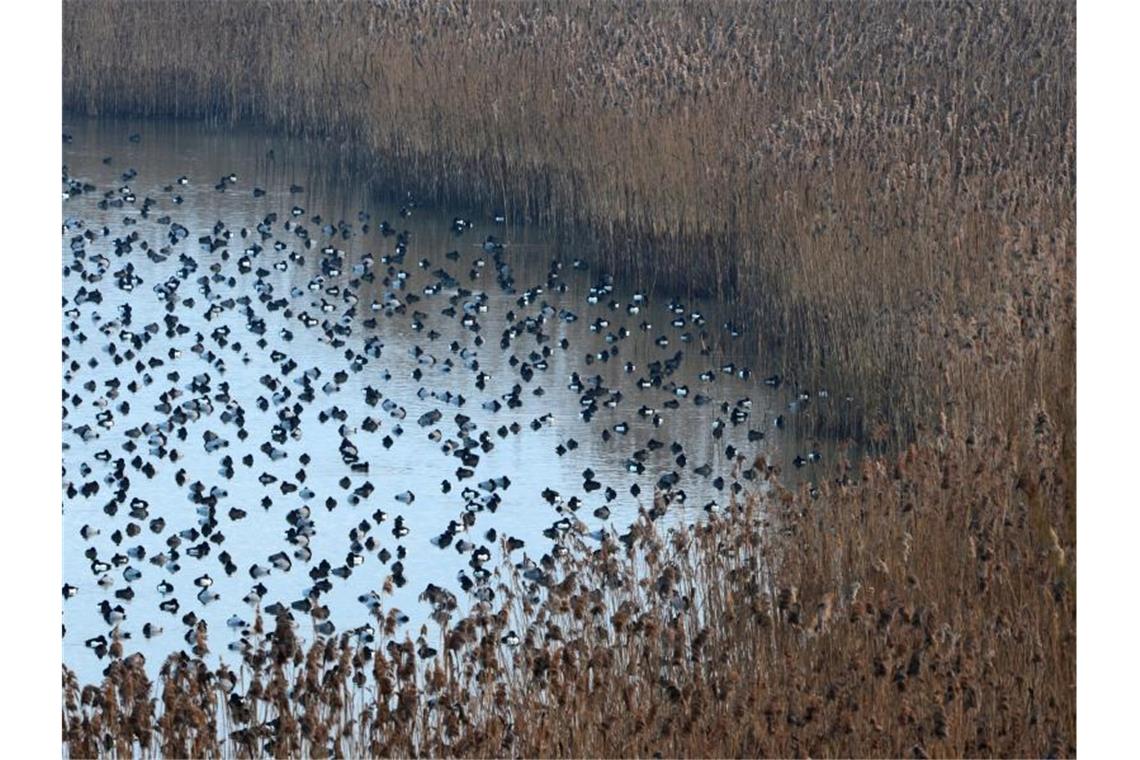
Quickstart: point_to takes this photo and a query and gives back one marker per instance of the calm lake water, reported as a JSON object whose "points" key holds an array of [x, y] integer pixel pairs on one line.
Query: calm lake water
{"points": [[261, 399]]}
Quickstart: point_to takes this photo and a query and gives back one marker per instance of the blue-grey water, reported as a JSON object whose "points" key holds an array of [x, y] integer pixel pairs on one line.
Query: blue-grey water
{"points": [[268, 394]]}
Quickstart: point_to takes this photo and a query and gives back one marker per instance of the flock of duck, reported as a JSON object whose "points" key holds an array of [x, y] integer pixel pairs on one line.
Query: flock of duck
{"points": [[290, 412]]}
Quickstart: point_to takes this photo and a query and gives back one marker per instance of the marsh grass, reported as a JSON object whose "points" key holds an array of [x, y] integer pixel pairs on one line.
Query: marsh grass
{"points": [[868, 181], [886, 190], [919, 606]]}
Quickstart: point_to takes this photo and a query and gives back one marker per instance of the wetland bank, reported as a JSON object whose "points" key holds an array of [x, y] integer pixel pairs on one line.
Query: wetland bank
{"points": [[870, 230]]}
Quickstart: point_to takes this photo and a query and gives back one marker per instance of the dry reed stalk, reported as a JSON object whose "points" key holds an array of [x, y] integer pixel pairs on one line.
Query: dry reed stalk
{"points": [[868, 180], [915, 612], [887, 188]]}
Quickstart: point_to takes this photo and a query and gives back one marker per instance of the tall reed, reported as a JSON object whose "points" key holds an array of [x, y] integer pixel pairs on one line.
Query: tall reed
{"points": [[886, 189], [867, 180], [917, 606]]}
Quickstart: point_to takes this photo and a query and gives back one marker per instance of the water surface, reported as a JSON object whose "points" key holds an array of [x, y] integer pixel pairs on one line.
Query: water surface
{"points": [[330, 388]]}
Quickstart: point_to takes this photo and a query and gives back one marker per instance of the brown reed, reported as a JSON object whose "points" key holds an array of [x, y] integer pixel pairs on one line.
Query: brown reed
{"points": [[869, 181], [887, 190], [904, 611]]}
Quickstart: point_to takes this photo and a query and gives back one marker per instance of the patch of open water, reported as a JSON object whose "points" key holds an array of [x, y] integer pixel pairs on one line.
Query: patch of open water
{"points": [[240, 411]]}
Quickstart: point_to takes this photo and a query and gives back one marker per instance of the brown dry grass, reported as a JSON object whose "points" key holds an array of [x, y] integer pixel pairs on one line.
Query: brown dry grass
{"points": [[889, 189], [868, 180], [923, 606]]}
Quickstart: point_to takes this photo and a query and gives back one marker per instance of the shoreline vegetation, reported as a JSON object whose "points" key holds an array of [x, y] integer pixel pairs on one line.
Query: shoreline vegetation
{"points": [[887, 191]]}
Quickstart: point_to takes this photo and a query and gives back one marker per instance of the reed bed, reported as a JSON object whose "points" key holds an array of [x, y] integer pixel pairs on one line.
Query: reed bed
{"points": [[868, 181], [886, 189], [913, 607]]}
